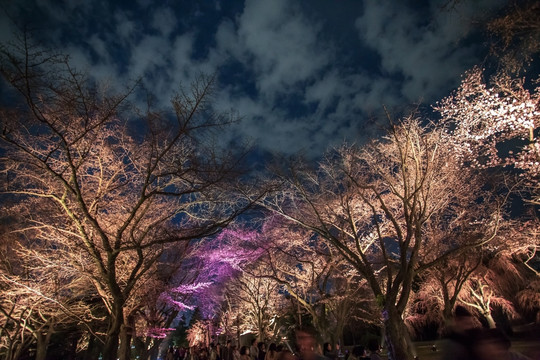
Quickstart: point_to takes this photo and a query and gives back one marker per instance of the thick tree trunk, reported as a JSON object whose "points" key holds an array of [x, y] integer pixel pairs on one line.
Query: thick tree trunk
{"points": [[124, 352], [42, 344], [110, 349], [41, 348], [447, 313], [396, 336]]}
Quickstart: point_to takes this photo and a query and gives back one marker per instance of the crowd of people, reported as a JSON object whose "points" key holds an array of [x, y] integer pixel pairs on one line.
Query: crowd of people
{"points": [[465, 341], [307, 348]]}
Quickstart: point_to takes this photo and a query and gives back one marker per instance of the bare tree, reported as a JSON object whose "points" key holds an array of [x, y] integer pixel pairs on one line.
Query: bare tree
{"points": [[482, 296], [116, 191], [314, 275], [257, 300], [40, 296], [439, 290], [377, 205], [516, 33]]}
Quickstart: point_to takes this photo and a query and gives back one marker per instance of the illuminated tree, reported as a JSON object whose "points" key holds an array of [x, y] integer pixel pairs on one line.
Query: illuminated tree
{"points": [[513, 268], [439, 290], [496, 125], [378, 205], [321, 284], [116, 187], [218, 261], [257, 299], [167, 293], [40, 296], [481, 296], [199, 333], [517, 34]]}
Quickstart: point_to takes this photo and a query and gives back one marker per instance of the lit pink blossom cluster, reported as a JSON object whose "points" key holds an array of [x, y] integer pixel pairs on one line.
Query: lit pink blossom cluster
{"points": [[191, 288], [158, 333], [178, 304], [232, 249]]}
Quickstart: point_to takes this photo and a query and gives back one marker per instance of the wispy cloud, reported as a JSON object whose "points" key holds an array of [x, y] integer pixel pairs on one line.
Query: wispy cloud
{"points": [[284, 66]]}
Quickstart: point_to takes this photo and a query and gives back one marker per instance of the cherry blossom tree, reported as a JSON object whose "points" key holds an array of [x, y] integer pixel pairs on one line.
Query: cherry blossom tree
{"points": [[85, 179], [321, 283], [377, 205], [495, 125], [39, 296], [257, 299]]}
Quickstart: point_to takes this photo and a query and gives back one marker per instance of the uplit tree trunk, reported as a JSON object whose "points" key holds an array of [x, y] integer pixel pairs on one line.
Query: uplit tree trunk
{"points": [[110, 349], [397, 336], [490, 320], [480, 295], [126, 336], [43, 340]]}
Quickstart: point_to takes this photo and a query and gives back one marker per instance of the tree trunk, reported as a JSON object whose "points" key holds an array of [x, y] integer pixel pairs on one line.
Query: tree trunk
{"points": [[124, 352], [490, 320], [42, 344], [142, 348], [92, 350], [110, 349], [447, 315], [396, 336], [43, 341], [154, 350]]}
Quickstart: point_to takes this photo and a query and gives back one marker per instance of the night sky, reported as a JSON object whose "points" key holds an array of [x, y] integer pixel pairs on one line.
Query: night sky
{"points": [[303, 75]]}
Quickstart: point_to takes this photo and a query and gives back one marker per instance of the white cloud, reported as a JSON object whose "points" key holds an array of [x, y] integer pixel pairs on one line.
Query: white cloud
{"points": [[426, 52], [148, 55], [286, 54], [280, 45]]}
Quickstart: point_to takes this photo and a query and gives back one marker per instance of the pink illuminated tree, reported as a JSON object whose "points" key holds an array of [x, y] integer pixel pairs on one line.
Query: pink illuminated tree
{"points": [[166, 293]]}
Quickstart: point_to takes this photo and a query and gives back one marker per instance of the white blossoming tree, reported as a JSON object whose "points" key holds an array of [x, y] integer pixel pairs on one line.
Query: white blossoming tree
{"points": [[496, 125]]}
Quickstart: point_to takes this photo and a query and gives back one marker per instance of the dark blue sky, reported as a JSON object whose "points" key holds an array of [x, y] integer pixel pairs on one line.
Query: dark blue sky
{"points": [[303, 75]]}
